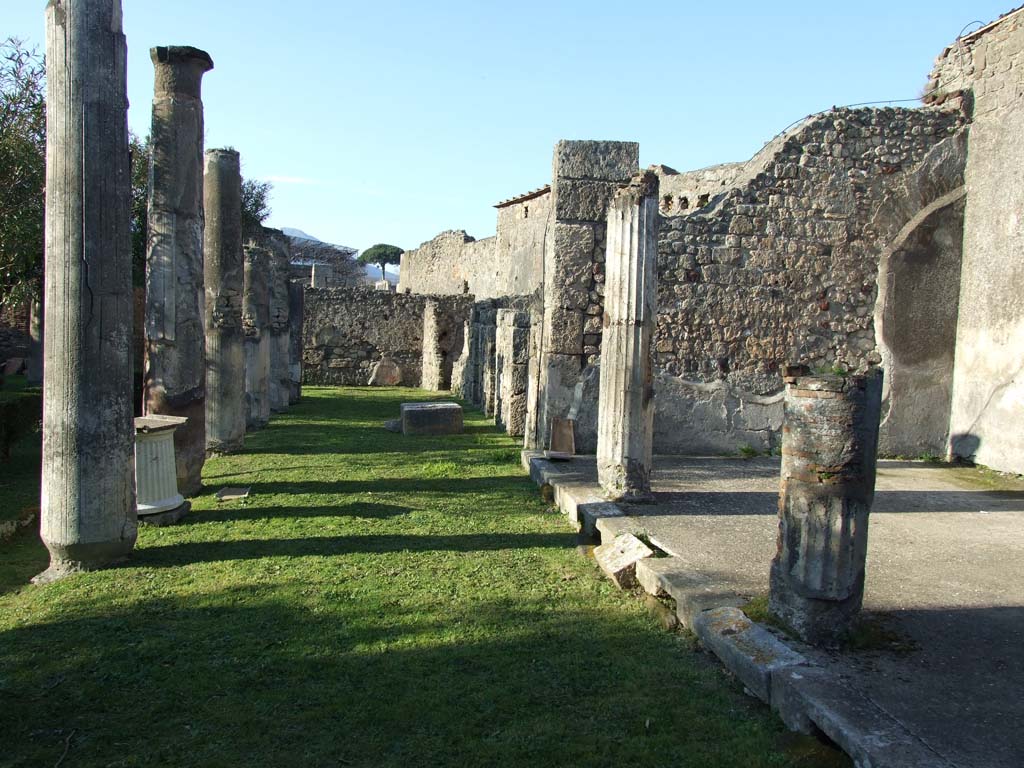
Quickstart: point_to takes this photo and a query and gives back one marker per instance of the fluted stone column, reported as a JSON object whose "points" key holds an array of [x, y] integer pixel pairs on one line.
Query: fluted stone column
{"points": [[175, 376], [279, 387], [224, 282], [829, 453], [88, 477], [296, 313], [625, 426], [255, 322]]}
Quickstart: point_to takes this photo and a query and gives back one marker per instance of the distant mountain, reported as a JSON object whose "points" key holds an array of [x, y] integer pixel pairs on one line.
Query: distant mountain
{"points": [[298, 233]]}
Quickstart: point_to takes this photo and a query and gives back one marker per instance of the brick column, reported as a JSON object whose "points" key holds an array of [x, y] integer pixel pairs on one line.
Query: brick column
{"points": [[829, 452]]}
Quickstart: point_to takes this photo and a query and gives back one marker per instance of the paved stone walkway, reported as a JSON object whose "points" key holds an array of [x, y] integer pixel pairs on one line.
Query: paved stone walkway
{"points": [[945, 588]]}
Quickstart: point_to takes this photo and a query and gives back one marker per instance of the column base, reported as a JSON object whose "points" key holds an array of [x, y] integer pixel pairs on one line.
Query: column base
{"points": [[168, 517]]}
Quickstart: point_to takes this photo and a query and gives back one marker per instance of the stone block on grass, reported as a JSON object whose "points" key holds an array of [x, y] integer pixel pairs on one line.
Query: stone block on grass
{"points": [[431, 419], [618, 559]]}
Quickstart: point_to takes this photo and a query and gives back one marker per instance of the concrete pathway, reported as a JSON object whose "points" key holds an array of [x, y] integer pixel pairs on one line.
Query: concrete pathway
{"points": [[944, 595]]}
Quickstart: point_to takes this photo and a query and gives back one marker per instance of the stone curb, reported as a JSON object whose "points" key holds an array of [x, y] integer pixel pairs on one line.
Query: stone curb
{"points": [[807, 697]]}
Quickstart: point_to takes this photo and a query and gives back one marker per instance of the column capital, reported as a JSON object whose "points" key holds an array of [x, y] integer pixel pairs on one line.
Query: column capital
{"points": [[179, 69]]}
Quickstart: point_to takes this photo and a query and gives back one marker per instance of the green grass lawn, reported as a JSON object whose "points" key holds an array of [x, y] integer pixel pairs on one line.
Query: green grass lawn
{"points": [[377, 601]]}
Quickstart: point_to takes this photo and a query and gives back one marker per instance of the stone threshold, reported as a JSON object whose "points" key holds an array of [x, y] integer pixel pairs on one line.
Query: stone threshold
{"points": [[807, 696]]}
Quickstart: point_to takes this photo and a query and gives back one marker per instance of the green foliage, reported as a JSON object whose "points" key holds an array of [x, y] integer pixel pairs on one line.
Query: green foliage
{"points": [[358, 610], [255, 206], [748, 451], [139, 212], [22, 171], [20, 413], [381, 254]]}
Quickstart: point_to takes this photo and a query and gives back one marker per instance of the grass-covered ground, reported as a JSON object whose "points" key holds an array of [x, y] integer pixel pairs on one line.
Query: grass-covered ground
{"points": [[377, 601]]}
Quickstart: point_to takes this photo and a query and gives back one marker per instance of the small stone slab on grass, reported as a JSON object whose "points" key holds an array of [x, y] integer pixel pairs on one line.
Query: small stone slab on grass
{"points": [[431, 419], [618, 559]]}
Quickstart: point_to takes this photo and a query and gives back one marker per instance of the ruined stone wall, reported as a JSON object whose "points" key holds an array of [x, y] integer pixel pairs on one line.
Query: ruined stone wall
{"points": [[451, 263], [347, 330], [522, 227], [683, 193], [784, 267], [985, 72], [509, 264]]}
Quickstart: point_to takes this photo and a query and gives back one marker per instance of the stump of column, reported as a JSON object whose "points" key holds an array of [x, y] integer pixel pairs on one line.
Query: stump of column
{"points": [[256, 326], [159, 502], [829, 453], [626, 402], [296, 312], [175, 376], [88, 515], [224, 282]]}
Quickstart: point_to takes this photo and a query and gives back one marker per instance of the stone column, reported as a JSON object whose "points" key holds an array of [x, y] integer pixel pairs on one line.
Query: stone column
{"points": [[625, 425], [513, 345], [175, 376], [488, 362], [34, 372], [255, 323], [585, 175], [462, 367], [296, 313], [279, 387], [531, 436], [433, 354], [829, 452], [88, 476], [320, 275], [223, 275]]}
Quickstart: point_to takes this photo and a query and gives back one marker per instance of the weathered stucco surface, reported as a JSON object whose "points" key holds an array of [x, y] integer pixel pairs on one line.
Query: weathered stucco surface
{"points": [[985, 71]]}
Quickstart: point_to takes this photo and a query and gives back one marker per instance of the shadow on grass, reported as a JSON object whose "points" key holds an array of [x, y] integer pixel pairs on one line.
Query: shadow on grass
{"points": [[357, 509], [250, 679], [173, 555], [446, 485]]}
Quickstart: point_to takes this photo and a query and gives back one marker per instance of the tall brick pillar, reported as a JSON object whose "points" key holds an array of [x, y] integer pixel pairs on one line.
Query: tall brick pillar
{"points": [[585, 175]]}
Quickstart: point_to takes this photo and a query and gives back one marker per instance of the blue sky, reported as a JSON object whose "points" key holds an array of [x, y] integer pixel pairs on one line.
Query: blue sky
{"points": [[392, 121]]}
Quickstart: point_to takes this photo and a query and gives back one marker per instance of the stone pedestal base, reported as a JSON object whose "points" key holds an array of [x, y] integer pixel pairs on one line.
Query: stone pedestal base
{"points": [[431, 419], [170, 517]]}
